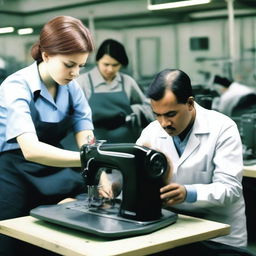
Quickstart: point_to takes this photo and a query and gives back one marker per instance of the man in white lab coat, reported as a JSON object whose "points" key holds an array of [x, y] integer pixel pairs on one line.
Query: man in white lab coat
{"points": [[205, 150]]}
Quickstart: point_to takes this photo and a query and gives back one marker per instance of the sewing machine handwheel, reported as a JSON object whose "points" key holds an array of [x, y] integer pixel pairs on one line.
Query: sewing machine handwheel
{"points": [[156, 165]]}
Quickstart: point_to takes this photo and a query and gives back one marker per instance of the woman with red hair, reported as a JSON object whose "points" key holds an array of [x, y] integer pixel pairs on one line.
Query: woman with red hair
{"points": [[39, 104]]}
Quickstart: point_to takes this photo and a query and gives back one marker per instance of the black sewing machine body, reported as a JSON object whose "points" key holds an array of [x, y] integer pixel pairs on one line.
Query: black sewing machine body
{"points": [[142, 171], [139, 210]]}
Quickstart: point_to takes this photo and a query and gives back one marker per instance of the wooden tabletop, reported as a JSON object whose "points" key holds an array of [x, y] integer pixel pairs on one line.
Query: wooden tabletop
{"points": [[76, 243], [249, 171]]}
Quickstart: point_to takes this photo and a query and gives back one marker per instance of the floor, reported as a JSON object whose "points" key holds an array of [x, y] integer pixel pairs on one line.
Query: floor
{"points": [[252, 246]]}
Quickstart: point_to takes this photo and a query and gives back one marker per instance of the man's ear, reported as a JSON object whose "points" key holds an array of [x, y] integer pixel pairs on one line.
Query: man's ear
{"points": [[191, 101]]}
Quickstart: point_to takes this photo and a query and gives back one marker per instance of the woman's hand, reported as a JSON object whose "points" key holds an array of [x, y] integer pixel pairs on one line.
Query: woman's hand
{"points": [[67, 200], [110, 184], [173, 194], [105, 186]]}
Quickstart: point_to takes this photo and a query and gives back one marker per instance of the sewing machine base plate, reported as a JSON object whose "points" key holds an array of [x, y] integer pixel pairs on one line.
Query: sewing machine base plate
{"points": [[104, 222]]}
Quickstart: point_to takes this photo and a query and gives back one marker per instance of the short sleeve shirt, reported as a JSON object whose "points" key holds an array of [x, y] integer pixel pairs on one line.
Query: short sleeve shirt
{"points": [[25, 100]]}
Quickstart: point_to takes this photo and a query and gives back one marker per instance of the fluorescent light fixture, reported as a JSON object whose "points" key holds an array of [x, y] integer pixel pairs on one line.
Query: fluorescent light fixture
{"points": [[25, 31], [177, 4], [220, 13], [6, 30]]}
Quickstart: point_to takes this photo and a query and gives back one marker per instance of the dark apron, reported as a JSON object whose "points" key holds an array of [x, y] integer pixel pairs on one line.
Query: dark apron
{"points": [[109, 110]]}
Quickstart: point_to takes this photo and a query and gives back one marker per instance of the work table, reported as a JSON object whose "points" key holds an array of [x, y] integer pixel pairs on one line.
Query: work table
{"points": [[249, 171], [67, 241]]}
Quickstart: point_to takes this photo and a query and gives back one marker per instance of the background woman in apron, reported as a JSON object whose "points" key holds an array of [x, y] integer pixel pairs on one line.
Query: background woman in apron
{"points": [[38, 105], [119, 108]]}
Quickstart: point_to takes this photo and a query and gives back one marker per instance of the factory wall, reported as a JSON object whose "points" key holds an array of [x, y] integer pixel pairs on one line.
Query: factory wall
{"points": [[151, 49]]}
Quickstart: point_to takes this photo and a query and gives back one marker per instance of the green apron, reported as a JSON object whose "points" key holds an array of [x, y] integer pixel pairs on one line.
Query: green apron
{"points": [[109, 112]]}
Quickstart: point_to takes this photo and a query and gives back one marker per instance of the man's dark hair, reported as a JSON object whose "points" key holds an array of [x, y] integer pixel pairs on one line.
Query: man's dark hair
{"points": [[223, 81], [114, 49], [174, 80]]}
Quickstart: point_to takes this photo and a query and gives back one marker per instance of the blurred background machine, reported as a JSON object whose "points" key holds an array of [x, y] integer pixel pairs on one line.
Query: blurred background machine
{"points": [[248, 135]]}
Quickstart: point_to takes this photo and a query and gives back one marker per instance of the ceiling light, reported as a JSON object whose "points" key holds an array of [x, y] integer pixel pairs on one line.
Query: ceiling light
{"points": [[6, 30], [219, 13], [25, 31], [175, 4]]}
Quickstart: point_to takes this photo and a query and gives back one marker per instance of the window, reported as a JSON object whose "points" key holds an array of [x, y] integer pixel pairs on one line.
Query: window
{"points": [[199, 43]]}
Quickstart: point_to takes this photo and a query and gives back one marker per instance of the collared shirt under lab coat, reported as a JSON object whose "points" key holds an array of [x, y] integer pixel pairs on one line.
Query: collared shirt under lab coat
{"points": [[212, 163]]}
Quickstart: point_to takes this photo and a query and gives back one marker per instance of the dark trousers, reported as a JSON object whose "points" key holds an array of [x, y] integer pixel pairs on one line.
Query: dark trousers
{"points": [[249, 190], [16, 199], [206, 248]]}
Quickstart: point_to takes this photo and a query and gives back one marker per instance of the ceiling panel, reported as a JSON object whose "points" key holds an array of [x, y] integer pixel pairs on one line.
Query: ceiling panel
{"points": [[112, 14]]}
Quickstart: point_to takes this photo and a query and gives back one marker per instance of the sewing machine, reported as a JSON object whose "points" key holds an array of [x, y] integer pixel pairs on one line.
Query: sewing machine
{"points": [[132, 210]]}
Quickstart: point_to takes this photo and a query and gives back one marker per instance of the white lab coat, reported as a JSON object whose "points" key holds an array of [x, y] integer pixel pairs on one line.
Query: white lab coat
{"points": [[212, 163]]}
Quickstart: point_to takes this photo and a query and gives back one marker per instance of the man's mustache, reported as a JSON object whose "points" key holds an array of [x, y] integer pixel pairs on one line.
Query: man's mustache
{"points": [[169, 127]]}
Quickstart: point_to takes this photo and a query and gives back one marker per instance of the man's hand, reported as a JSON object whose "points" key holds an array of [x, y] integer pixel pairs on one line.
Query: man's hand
{"points": [[173, 194]]}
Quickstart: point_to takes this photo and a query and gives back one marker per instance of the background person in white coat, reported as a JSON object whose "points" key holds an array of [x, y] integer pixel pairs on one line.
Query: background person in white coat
{"points": [[205, 149], [235, 98]]}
